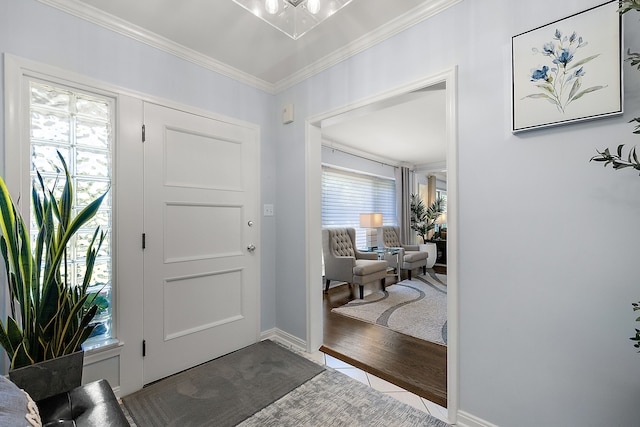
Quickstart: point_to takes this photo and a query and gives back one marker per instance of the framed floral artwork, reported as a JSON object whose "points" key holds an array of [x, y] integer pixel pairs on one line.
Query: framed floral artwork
{"points": [[569, 70]]}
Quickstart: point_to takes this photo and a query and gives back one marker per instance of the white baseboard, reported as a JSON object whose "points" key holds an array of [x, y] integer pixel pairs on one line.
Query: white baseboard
{"points": [[467, 420], [116, 391], [284, 338]]}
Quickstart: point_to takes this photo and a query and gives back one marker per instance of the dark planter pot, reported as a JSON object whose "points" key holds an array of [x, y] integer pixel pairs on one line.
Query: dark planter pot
{"points": [[51, 377]]}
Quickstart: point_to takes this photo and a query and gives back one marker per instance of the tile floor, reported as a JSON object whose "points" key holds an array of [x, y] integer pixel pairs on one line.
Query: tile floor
{"points": [[382, 385]]}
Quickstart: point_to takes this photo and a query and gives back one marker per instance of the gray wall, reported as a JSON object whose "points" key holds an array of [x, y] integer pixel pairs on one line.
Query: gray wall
{"points": [[548, 241]]}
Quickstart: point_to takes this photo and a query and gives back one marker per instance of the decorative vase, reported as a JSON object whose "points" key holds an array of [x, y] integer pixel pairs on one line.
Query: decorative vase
{"points": [[432, 250], [51, 377]]}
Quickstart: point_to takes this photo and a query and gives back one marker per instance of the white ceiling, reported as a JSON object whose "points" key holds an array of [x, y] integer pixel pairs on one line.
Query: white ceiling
{"points": [[408, 129], [223, 36]]}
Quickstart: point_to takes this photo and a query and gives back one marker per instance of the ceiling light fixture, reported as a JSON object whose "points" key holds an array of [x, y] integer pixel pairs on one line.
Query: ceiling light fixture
{"points": [[293, 17], [271, 6], [313, 6]]}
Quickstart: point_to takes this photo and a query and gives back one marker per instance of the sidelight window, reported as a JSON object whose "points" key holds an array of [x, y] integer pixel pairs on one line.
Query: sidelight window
{"points": [[79, 125]]}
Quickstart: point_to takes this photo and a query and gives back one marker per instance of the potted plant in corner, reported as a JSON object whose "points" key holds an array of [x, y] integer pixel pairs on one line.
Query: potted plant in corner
{"points": [[423, 220], [49, 318]]}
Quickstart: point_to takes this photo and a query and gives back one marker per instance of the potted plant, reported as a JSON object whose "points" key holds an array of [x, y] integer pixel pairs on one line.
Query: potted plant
{"points": [[423, 219], [618, 160], [49, 318]]}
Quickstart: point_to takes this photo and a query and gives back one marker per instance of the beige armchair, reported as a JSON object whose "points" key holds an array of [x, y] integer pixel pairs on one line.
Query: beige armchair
{"points": [[345, 263], [410, 259]]}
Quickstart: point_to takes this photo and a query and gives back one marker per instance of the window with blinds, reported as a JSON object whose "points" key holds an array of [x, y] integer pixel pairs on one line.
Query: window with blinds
{"points": [[345, 195]]}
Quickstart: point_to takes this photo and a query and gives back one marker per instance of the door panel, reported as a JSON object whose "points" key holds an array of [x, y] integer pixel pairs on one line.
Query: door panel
{"points": [[201, 284], [222, 236], [188, 154], [207, 311]]}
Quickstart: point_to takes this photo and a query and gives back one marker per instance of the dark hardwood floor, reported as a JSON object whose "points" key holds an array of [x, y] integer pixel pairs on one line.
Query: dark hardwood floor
{"points": [[415, 365]]}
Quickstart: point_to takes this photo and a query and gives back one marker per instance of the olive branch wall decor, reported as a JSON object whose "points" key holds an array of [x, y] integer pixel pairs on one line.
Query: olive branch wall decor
{"points": [[568, 71]]}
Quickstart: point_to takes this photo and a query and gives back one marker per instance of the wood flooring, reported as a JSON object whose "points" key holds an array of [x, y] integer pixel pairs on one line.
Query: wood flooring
{"points": [[417, 366]]}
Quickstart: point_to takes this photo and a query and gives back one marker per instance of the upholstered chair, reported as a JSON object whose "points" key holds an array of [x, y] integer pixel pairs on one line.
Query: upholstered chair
{"points": [[410, 259], [345, 263]]}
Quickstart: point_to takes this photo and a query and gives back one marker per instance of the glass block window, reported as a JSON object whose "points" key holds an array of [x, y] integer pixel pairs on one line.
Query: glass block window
{"points": [[80, 127], [345, 195]]}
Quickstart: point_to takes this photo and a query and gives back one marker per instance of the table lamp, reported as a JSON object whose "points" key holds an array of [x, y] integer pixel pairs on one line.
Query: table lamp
{"points": [[440, 221], [371, 221]]}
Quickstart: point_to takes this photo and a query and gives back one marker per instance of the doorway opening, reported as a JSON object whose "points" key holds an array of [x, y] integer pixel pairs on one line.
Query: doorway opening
{"points": [[315, 309]]}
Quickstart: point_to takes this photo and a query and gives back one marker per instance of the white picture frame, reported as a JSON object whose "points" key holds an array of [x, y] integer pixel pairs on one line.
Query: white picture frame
{"points": [[569, 70]]}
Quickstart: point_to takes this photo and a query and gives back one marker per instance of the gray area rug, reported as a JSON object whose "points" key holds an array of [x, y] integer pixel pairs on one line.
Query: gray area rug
{"points": [[223, 392], [334, 399], [415, 307]]}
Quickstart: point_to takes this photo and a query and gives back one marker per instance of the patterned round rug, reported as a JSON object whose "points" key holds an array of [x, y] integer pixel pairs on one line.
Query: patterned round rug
{"points": [[416, 307]]}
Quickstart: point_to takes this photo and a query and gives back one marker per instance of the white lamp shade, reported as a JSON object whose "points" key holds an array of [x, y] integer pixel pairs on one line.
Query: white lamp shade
{"points": [[371, 220], [442, 219]]}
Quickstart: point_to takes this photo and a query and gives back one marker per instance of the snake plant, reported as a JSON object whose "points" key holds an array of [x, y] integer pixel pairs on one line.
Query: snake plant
{"points": [[49, 316]]}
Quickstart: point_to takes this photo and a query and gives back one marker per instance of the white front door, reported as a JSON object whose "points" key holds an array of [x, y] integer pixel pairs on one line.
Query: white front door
{"points": [[201, 273]]}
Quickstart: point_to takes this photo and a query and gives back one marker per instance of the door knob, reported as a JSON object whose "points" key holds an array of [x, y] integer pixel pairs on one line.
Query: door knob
{"points": [[251, 248]]}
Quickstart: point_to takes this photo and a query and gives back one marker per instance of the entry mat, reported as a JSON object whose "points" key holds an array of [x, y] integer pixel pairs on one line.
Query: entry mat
{"points": [[224, 391]]}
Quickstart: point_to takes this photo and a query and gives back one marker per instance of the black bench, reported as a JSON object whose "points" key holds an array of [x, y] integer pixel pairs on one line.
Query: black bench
{"points": [[92, 404]]}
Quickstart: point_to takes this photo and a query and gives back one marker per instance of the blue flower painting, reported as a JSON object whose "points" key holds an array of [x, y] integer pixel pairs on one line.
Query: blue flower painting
{"points": [[560, 80], [569, 70]]}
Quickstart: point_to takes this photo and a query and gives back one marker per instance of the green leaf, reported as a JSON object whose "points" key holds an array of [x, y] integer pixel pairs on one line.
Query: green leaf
{"points": [[35, 198], [66, 199], [8, 225], [83, 331], [627, 5], [91, 258], [586, 91], [21, 357], [545, 97], [546, 87], [583, 61], [537, 96], [5, 341], [10, 275], [634, 58], [574, 88]]}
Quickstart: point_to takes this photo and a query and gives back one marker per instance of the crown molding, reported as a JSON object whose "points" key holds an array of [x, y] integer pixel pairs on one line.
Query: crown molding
{"points": [[120, 26], [382, 33]]}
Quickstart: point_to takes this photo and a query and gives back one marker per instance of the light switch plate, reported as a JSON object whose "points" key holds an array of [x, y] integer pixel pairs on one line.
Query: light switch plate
{"points": [[268, 210]]}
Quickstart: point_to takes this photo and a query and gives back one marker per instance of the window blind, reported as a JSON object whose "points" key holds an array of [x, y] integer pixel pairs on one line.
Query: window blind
{"points": [[345, 195]]}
